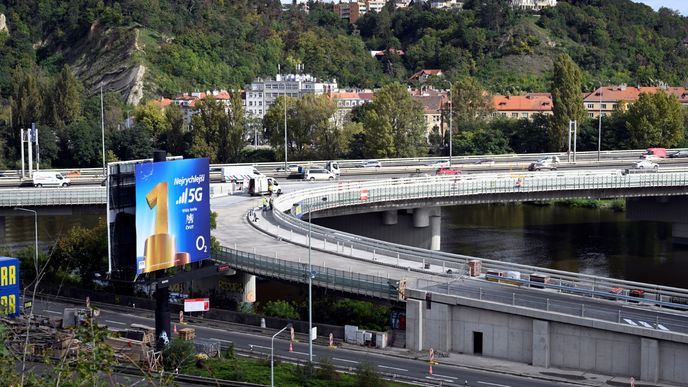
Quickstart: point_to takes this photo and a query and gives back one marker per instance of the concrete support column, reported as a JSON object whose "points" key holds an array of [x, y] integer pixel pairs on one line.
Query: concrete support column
{"points": [[436, 228], [2, 230], [649, 360], [421, 217], [390, 217], [679, 232], [541, 343], [414, 324], [249, 288]]}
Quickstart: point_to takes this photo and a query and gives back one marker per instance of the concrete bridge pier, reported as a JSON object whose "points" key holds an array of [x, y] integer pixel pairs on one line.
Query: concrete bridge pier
{"points": [[390, 217], [679, 233], [249, 288], [430, 216], [670, 209]]}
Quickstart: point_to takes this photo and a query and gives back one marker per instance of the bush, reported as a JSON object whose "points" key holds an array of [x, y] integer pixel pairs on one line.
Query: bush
{"points": [[178, 354], [282, 309], [367, 376], [364, 314], [327, 370]]}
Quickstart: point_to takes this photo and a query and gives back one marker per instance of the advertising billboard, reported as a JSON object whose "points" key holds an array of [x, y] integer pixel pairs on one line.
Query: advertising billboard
{"points": [[196, 305], [9, 287], [172, 213]]}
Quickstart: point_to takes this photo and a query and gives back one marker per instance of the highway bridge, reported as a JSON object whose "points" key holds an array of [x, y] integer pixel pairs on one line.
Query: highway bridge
{"points": [[275, 245]]}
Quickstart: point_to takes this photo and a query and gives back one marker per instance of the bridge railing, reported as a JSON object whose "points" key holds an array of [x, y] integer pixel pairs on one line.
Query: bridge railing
{"points": [[52, 196], [326, 277], [346, 194]]}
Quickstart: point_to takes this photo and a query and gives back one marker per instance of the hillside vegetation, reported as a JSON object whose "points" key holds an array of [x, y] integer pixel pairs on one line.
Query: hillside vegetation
{"points": [[197, 44]]}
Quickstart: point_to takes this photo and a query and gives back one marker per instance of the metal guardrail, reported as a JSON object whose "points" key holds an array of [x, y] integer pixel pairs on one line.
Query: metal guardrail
{"points": [[326, 277], [365, 193], [31, 197]]}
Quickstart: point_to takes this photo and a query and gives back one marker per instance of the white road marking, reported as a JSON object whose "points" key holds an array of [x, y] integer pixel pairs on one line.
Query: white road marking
{"points": [[52, 311], [630, 322], [345, 360], [440, 379], [115, 322], [393, 368], [444, 376], [222, 340], [646, 325], [302, 353], [662, 327], [258, 346], [492, 384]]}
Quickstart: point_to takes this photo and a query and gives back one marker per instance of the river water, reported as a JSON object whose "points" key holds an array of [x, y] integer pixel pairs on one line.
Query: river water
{"points": [[592, 241]]}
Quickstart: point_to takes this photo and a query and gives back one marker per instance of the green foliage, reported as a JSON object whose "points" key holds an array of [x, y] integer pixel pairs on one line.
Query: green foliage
{"points": [[281, 309], [470, 102], [82, 251], [364, 314], [566, 100], [367, 376], [655, 120], [484, 140], [178, 354]]}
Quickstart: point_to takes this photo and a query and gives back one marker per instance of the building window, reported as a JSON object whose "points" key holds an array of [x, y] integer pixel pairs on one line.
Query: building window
{"points": [[590, 106], [590, 115], [514, 115], [524, 115], [614, 106], [604, 106]]}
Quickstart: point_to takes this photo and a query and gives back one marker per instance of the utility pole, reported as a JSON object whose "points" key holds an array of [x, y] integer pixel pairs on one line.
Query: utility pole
{"points": [[599, 126], [102, 126]]}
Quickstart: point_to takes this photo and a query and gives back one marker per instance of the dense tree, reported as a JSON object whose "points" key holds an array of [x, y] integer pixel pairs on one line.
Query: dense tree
{"points": [[655, 120], [82, 252], [566, 99], [131, 144], [313, 116], [394, 124], [233, 131], [470, 102], [210, 115], [63, 108], [173, 140]]}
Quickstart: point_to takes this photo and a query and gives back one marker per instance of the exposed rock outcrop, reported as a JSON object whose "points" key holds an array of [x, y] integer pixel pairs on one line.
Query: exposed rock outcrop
{"points": [[3, 24], [111, 57]]}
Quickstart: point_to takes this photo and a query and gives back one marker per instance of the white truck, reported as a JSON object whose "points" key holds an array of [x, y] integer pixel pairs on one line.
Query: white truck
{"points": [[333, 167], [239, 174], [263, 185], [50, 179]]}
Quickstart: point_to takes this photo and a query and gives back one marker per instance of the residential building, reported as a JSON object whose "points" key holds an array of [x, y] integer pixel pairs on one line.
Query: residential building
{"points": [[389, 51], [346, 101], [434, 103], [444, 4], [425, 74], [187, 101], [604, 100], [354, 9], [522, 106], [402, 3], [262, 93], [533, 5]]}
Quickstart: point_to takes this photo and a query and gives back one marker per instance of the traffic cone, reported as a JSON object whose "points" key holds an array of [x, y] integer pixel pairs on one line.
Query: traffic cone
{"points": [[174, 329], [291, 346], [430, 370]]}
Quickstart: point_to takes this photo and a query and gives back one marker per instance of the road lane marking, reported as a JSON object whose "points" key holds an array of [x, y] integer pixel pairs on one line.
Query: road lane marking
{"points": [[302, 353], [345, 360], [444, 376], [223, 340], [630, 322], [115, 322], [662, 327], [440, 379], [392, 368], [492, 384], [52, 311], [258, 346], [646, 325]]}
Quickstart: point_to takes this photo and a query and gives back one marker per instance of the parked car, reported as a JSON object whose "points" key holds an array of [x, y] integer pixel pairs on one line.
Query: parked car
{"points": [[637, 293], [290, 168], [370, 164], [318, 174], [540, 166], [440, 164], [679, 154], [447, 171], [645, 164]]}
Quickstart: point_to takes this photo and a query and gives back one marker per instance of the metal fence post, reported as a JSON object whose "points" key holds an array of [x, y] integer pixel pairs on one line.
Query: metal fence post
{"points": [[513, 298], [548, 304], [582, 310], [374, 259]]}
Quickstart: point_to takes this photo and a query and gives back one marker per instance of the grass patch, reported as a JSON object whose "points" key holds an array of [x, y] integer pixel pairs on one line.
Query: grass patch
{"points": [[257, 371]]}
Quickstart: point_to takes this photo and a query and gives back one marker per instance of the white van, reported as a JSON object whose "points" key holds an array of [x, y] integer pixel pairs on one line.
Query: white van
{"points": [[50, 179]]}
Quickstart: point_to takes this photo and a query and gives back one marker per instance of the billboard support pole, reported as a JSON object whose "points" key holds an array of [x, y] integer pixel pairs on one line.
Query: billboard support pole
{"points": [[162, 293]]}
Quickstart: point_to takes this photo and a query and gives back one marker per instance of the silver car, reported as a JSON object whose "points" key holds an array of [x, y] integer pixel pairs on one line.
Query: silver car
{"points": [[312, 174]]}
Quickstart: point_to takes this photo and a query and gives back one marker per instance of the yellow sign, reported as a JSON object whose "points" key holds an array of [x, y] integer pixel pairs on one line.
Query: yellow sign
{"points": [[8, 275]]}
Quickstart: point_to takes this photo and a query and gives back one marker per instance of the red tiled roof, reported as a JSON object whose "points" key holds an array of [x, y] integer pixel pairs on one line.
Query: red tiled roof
{"points": [[431, 72], [541, 102], [627, 93], [162, 102]]}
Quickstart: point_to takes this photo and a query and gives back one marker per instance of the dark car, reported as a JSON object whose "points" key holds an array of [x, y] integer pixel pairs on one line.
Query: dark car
{"points": [[679, 154]]}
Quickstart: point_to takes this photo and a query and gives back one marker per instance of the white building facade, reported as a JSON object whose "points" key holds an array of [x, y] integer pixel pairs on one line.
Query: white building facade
{"points": [[534, 5], [262, 93]]}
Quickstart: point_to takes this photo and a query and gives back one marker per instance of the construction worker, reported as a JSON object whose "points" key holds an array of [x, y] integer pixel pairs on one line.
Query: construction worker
{"points": [[265, 203]]}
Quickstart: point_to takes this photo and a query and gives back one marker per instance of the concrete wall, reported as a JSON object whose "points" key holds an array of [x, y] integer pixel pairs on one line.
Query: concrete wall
{"points": [[545, 339]]}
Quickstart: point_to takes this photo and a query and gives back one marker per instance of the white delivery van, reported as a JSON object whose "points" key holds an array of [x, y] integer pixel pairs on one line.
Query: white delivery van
{"points": [[240, 173], [263, 186], [50, 179], [333, 167]]}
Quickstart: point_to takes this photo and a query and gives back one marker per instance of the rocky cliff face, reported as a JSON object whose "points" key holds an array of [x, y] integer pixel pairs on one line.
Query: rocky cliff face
{"points": [[3, 24], [111, 58]]}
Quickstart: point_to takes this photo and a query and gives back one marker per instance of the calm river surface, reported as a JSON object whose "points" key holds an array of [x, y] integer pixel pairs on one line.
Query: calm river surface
{"points": [[590, 241]]}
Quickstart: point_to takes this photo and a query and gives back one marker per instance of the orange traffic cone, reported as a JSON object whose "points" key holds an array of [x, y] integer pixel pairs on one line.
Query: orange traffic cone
{"points": [[430, 370], [291, 346], [174, 329]]}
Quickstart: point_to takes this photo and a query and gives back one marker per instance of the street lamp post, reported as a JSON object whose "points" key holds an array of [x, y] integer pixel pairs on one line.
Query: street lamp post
{"points": [[272, 354], [451, 118], [35, 285], [599, 126], [310, 287], [102, 126]]}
